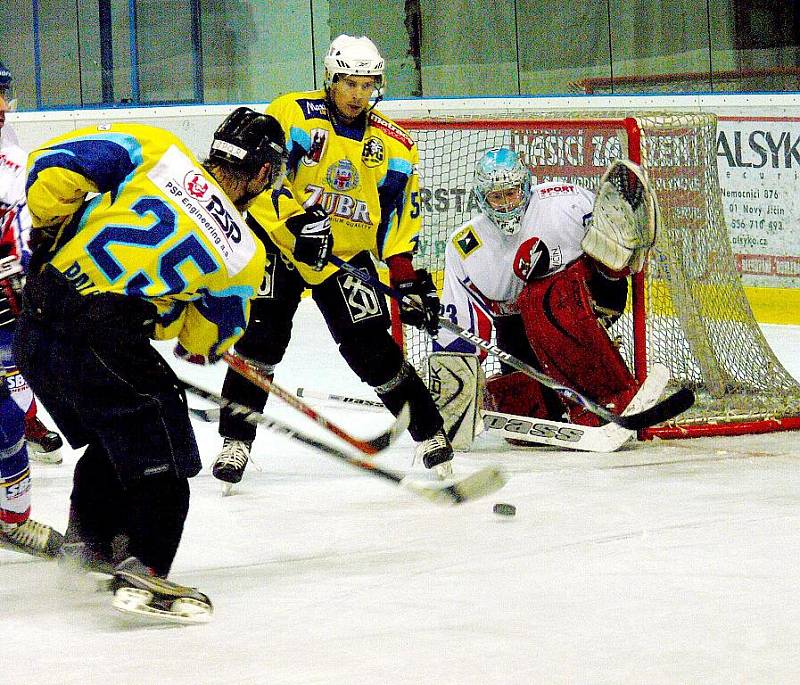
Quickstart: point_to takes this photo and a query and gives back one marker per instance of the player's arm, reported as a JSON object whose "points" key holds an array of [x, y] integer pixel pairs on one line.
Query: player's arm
{"points": [[298, 225], [462, 304], [400, 210], [61, 175], [208, 325]]}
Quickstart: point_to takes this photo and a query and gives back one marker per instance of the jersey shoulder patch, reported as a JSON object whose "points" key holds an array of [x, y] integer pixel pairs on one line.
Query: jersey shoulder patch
{"points": [[466, 241], [391, 129]]}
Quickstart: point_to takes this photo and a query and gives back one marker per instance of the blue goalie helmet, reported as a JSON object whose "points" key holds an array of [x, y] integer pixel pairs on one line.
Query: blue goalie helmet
{"points": [[502, 187]]}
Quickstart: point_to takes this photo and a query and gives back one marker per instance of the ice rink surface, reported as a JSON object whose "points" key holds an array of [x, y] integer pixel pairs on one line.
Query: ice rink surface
{"points": [[669, 562]]}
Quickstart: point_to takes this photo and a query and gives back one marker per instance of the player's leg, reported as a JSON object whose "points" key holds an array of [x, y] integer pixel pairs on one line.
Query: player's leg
{"points": [[572, 345], [17, 530], [265, 341], [511, 391], [116, 394], [44, 445], [358, 319]]}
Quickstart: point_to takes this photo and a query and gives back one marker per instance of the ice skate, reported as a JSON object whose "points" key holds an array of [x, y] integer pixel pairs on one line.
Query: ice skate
{"points": [[141, 594], [87, 560], [44, 445], [32, 537], [436, 453], [230, 463]]}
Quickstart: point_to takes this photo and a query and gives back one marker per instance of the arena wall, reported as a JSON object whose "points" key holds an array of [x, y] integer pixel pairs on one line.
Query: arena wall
{"points": [[758, 156]]}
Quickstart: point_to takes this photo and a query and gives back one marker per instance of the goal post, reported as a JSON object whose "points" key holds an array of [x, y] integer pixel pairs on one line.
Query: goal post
{"points": [[687, 309]]}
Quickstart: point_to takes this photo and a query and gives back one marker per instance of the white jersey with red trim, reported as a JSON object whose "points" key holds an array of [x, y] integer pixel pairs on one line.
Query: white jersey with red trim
{"points": [[485, 269], [15, 221]]}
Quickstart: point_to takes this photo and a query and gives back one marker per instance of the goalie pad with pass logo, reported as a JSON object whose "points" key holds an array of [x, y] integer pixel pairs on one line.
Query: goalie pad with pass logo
{"points": [[456, 384], [625, 218], [571, 344]]}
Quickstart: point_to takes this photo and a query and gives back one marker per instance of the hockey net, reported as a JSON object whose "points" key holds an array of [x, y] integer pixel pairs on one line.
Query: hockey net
{"points": [[688, 309]]}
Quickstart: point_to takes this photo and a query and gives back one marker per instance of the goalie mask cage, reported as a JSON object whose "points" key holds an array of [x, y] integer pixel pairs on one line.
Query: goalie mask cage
{"points": [[687, 309]]}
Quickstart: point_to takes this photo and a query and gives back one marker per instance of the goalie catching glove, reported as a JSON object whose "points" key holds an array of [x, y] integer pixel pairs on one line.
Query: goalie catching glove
{"points": [[419, 306], [625, 218], [313, 242]]}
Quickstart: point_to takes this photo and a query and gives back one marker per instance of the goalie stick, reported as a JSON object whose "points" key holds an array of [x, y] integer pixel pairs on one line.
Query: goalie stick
{"points": [[667, 408], [478, 484], [608, 438], [257, 375]]}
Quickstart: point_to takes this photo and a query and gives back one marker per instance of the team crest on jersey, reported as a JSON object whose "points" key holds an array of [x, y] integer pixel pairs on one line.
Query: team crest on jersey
{"points": [[372, 154], [196, 185], [342, 176], [532, 259], [466, 241], [319, 138]]}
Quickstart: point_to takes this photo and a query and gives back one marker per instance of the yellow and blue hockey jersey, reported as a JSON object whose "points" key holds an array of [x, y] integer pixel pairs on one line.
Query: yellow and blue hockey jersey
{"points": [[139, 216], [365, 178]]}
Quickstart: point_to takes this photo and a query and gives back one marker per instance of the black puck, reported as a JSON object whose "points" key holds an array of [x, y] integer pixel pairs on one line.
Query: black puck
{"points": [[502, 509]]}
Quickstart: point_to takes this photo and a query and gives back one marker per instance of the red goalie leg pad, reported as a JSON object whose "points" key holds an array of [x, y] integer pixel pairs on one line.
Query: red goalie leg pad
{"points": [[571, 345], [517, 393]]}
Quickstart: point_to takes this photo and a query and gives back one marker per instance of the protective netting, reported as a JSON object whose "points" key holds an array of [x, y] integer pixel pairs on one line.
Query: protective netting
{"points": [[697, 320]]}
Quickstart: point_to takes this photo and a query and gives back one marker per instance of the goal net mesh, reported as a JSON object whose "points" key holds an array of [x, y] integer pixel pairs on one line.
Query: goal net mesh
{"points": [[694, 316]]}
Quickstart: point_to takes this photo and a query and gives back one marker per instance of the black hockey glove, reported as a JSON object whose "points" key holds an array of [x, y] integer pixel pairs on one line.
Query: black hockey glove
{"points": [[420, 304], [313, 242], [11, 282]]}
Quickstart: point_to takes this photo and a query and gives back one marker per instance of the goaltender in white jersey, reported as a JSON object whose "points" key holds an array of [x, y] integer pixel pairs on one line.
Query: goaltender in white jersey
{"points": [[486, 268], [546, 267]]}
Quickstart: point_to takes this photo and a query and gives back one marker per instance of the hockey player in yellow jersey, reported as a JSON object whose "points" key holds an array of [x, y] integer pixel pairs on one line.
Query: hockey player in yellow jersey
{"points": [[352, 189], [136, 239]]}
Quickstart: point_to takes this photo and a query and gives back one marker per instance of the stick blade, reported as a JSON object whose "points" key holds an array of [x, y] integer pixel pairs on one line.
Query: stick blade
{"points": [[662, 411], [392, 433], [479, 484]]}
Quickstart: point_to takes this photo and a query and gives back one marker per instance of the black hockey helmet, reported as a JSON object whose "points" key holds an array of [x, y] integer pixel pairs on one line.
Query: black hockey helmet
{"points": [[247, 140], [5, 82]]}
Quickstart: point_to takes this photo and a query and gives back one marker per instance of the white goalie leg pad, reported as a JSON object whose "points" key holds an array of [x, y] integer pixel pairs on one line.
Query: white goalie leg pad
{"points": [[456, 383], [625, 218]]}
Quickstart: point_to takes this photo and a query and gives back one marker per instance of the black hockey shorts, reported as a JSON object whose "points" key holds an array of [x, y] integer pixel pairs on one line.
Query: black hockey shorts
{"points": [[356, 315], [90, 362]]}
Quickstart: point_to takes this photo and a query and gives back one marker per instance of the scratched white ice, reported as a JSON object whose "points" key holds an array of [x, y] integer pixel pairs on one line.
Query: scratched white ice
{"points": [[672, 562]]}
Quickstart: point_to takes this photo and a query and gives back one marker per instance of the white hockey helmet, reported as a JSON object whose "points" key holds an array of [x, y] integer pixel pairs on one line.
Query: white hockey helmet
{"points": [[356, 56], [501, 170]]}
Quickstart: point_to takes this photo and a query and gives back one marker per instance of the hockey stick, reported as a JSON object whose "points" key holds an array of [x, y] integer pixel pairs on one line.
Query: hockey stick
{"points": [[256, 374], [536, 431], [608, 438], [476, 485], [670, 406], [344, 399]]}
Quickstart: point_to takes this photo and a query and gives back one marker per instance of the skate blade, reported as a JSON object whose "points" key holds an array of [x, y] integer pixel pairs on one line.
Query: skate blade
{"points": [[37, 457], [133, 603], [444, 470], [102, 582], [228, 489]]}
